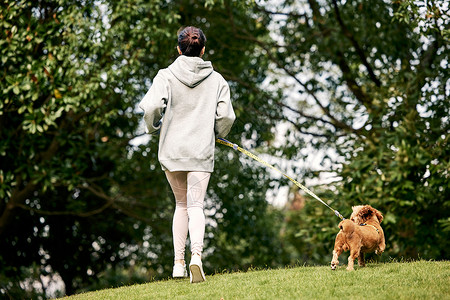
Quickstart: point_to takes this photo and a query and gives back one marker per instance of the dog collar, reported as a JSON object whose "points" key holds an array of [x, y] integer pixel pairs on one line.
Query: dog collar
{"points": [[364, 224]]}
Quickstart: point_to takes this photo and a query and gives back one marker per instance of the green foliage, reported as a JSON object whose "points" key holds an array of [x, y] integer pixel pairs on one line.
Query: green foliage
{"points": [[77, 199], [70, 77], [373, 95], [402, 163], [246, 234], [308, 234]]}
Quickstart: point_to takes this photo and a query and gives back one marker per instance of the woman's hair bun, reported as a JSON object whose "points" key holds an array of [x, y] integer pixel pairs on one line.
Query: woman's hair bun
{"points": [[191, 41]]}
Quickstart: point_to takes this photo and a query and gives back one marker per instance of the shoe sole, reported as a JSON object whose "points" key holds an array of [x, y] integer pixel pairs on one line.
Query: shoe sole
{"points": [[196, 274]]}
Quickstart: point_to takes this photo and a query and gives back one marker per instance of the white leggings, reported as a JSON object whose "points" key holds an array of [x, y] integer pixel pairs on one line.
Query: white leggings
{"points": [[189, 189]]}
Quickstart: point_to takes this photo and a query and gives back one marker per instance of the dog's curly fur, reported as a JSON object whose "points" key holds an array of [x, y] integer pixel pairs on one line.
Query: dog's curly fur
{"points": [[359, 238]]}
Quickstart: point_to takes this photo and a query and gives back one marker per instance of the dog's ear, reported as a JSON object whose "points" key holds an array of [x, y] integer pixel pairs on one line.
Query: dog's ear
{"points": [[378, 215], [366, 212]]}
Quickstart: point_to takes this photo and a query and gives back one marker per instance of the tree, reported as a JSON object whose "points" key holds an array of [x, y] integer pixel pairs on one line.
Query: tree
{"points": [[69, 76], [79, 201], [372, 94]]}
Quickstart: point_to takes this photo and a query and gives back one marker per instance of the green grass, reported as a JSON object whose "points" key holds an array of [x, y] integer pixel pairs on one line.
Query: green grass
{"points": [[395, 280]]}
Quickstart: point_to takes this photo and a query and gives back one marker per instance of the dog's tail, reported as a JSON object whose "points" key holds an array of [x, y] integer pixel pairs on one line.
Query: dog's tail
{"points": [[347, 226]]}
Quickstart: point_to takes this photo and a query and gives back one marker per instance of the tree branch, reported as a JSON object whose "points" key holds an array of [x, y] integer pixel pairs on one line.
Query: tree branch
{"points": [[246, 36], [351, 82], [355, 44], [17, 197], [300, 129], [132, 214], [335, 122], [288, 14], [249, 37], [66, 213], [316, 119]]}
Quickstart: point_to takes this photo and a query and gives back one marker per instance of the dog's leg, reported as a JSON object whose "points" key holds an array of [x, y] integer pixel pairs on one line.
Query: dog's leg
{"points": [[354, 253], [361, 261], [338, 248], [335, 260], [381, 246]]}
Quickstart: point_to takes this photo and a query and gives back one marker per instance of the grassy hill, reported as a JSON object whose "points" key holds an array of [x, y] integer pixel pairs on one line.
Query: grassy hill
{"points": [[395, 280]]}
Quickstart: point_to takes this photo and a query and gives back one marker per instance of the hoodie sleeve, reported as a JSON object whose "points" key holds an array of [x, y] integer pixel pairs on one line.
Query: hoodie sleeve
{"points": [[154, 103], [224, 113]]}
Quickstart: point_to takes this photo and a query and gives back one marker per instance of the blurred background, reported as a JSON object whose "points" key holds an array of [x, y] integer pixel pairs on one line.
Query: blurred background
{"points": [[351, 98]]}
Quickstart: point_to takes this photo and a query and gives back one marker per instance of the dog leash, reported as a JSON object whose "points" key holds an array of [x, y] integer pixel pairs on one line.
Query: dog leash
{"points": [[301, 186]]}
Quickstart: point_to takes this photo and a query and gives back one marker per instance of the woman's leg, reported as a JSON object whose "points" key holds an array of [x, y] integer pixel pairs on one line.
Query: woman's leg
{"points": [[178, 183], [197, 183]]}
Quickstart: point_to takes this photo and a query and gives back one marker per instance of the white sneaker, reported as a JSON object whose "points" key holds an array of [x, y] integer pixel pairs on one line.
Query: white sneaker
{"points": [[196, 269], [179, 271]]}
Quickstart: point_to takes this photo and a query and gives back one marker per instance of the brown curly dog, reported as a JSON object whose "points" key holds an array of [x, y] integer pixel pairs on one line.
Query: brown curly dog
{"points": [[361, 234]]}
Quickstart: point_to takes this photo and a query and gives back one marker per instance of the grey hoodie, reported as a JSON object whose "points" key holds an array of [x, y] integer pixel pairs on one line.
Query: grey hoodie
{"points": [[190, 104]]}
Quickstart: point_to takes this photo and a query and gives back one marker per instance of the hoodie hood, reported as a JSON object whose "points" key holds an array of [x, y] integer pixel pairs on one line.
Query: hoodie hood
{"points": [[191, 71]]}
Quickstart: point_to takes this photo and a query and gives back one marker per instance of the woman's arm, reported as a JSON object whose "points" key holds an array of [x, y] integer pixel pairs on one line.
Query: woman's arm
{"points": [[224, 113], [154, 103]]}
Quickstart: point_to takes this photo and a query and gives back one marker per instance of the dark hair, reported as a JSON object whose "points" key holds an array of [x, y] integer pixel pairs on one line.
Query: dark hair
{"points": [[191, 41]]}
